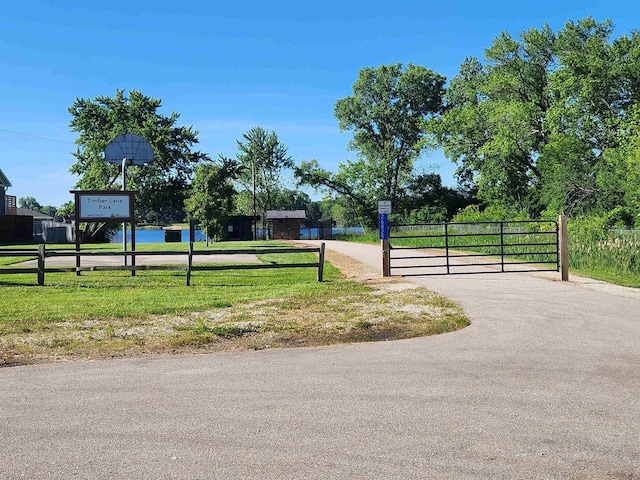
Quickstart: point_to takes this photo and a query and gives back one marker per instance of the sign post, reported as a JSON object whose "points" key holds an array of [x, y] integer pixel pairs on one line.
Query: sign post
{"points": [[384, 209]]}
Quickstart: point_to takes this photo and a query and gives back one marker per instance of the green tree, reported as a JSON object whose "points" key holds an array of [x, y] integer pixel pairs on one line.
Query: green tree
{"points": [[568, 181], [211, 199], [67, 209], [493, 126], [596, 90], [619, 174], [162, 185], [339, 209], [351, 187], [31, 203], [428, 201], [264, 161], [49, 210], [385, 114], [540, 125]]}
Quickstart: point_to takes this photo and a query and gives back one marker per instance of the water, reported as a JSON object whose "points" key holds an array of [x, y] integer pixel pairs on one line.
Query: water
{"points": [[157, 235], [312, 233]]}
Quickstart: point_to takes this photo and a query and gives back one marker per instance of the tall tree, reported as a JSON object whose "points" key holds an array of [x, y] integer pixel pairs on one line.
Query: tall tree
{"points": [[31, 203], [352, 184], [618, 175], [493, 126], [49, 210], [264, 160], [212, 191], [531, 127], [595, 88], [428, 201], [385, 114], [162, 185]]}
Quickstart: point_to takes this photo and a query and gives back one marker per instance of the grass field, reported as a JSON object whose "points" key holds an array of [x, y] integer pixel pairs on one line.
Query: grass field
{"points": [[106, 314], [612, 256]]}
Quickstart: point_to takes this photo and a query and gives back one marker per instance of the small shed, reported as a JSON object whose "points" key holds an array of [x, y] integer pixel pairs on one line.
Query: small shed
{"points": [[37, 218], [286, 224], [240, 227]]}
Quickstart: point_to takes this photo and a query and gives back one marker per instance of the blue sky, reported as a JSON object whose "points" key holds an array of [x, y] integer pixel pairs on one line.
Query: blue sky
{"points": [[229, 66]]}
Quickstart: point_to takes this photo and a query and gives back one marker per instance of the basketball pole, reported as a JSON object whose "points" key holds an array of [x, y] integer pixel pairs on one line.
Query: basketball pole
{"points": [[128, 149]]}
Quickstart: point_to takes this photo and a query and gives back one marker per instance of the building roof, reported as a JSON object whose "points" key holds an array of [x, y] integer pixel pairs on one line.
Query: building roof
{"points": [[25, 212], [4, 181], [284, 214]]}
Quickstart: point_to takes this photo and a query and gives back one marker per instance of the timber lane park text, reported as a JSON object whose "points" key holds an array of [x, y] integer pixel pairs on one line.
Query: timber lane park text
{"points": [[105, 203]]}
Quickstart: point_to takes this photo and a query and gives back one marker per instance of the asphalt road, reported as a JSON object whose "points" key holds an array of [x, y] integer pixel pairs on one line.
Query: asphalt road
{"points": [[545, 383]]}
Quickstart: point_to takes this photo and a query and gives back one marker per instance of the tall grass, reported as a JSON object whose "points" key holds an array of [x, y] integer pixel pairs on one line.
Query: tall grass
{"points": [[611, 255]]}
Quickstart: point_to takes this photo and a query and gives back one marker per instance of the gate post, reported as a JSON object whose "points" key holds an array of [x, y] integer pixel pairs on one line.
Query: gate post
{"points": [[563, 247], [386, 260]]}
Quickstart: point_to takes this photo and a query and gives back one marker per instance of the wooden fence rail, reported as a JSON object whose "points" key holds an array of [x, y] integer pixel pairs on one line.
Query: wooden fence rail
{"points": [[42, 254]]}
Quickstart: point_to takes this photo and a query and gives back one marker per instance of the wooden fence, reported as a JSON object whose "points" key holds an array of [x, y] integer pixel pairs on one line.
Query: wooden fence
{"points": [[42, 254]]}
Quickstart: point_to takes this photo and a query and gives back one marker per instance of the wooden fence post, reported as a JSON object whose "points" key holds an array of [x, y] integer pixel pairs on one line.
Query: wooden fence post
{"points": [[564, 248], [77, 239], [386, 260], [41, 254], [133, 249], [321, 262], [189, 264]]}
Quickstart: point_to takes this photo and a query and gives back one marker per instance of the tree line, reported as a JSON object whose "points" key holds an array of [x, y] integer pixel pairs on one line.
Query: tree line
{"points": [[546, 123]]}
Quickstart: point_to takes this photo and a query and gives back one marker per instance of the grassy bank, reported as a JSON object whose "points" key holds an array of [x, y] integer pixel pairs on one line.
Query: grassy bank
{"points": [[608, 255], [107, 314]]}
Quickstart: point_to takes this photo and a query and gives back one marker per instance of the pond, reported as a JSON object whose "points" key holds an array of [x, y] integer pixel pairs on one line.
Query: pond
{"points": [[156, 235]]}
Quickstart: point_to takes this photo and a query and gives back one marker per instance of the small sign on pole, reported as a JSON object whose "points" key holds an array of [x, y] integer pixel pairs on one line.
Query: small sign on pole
{"points": [[384, 207]]}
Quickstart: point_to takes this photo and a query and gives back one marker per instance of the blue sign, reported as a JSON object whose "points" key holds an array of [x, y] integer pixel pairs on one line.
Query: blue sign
{"points": [[383, 226]]}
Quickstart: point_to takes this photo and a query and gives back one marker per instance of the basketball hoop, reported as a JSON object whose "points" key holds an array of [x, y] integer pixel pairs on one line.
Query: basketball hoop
{"points": [[132, 148]]}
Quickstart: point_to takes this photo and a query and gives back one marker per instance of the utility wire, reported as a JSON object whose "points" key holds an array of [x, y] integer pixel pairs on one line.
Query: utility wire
{"points": [[35, 136]]}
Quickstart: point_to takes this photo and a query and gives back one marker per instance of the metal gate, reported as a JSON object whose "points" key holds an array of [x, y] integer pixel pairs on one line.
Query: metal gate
{"points": [[480, 247]]}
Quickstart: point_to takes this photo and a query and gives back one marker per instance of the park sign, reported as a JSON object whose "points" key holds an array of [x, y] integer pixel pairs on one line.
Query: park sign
{"points": [[384, 207], [104, 205]]}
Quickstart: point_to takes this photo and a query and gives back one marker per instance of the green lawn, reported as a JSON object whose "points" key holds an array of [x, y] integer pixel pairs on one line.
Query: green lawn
{"points": [[107, 313], [102, 295]]}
